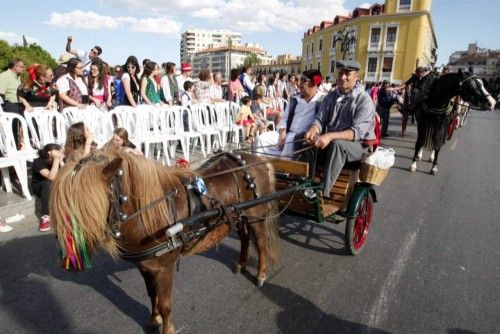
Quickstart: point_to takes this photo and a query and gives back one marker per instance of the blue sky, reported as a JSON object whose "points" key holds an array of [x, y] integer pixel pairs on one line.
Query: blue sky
{"points": [[151, 28]]}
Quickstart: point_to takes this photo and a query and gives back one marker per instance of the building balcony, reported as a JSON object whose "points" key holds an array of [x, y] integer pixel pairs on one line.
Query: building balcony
{"points": [[371, 76], [386, 76], [374, 46], [319, 54], [332, 52], [389, 46]]}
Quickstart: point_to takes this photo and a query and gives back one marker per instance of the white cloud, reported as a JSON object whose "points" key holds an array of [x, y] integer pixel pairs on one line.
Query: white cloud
{"points": [[92, 21], [243, 15], [13, 38], [160, 25]]}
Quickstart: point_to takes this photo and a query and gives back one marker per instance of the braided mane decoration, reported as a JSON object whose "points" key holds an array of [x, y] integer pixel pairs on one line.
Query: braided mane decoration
{"points": [[79, 202]]}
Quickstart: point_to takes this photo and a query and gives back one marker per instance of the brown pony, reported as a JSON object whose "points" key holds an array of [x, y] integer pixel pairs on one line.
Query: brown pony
{"points": [[82, 202]]}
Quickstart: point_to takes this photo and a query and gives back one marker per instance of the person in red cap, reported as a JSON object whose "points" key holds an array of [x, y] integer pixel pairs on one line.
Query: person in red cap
{"points": [[183, 77]]}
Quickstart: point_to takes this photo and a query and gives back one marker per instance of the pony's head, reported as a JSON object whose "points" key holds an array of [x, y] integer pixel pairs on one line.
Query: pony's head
{"points": [[473, 91], [81, 204]]}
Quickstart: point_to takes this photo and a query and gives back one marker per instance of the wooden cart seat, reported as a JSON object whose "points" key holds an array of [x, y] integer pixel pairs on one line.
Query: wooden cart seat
{"points": [[322, 207]]}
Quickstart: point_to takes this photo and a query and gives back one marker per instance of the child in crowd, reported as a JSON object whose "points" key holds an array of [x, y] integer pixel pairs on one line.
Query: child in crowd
{"points": [[120, 140], [44, 171], [257, 108], [247, 119], [187, 98], [79, 142]]}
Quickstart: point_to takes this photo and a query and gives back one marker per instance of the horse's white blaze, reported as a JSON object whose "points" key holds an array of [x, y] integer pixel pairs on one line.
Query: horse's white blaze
{"points": [[488, 96]]}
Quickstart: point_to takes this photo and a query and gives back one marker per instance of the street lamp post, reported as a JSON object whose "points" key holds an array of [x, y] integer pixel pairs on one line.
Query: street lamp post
{"points": [[346, 38]]}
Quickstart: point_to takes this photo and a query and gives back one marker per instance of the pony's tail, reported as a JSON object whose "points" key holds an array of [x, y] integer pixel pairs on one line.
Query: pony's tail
{"points": [[271, 221], [271, 226]]}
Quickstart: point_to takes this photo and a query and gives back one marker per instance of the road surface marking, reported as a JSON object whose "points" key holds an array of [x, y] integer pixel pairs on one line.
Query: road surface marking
{"points": [[379, 309]]}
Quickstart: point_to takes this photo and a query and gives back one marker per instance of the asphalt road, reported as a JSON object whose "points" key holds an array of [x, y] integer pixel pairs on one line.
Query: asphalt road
{"points": [[430, 266]]}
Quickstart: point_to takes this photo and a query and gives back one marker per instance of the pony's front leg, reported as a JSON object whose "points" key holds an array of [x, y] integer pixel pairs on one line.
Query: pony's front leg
{"points": [[155, 319], [245, 241], [163, 279], [434, 169]]}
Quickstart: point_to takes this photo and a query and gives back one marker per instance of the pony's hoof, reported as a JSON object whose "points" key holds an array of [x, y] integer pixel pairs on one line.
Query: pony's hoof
{"points": [[153, 325], [413, 168], [261, 281], [434, 171]]}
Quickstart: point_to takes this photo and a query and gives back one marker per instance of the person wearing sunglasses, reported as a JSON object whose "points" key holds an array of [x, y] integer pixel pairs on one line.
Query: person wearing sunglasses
{"points": [[73, 91], [85, 57], [130, 82]]}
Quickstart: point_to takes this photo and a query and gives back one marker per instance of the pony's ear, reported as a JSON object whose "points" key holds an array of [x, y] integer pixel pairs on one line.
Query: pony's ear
{"points": [[110, 169], [471, 70], [460, 73]]}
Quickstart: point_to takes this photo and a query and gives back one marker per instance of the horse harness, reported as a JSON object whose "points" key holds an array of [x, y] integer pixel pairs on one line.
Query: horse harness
{"points": [[176, 236]]}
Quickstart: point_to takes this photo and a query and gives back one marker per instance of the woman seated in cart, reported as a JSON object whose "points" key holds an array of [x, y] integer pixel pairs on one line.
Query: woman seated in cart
{"points": [[298, 115], [344, 123]]}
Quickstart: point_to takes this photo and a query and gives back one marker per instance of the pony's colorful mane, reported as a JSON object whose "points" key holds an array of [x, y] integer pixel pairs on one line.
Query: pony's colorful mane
{"points": [[79, 202]]}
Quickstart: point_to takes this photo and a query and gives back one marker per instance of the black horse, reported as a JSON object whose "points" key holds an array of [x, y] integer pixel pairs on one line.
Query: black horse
{"points": [[433, 114]]}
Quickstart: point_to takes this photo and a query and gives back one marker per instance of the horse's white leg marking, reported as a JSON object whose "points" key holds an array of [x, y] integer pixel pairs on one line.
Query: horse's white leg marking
{"points": [[413, 166], [419, 155], [434, 170], [431, 157]]}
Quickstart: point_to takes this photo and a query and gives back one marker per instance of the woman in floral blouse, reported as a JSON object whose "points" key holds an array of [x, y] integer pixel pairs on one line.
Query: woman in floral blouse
{"points": [[36, 90]]}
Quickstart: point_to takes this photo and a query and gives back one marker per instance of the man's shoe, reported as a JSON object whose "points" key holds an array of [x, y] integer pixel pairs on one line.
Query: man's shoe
{"points": [[44, 224], [4, 228]]}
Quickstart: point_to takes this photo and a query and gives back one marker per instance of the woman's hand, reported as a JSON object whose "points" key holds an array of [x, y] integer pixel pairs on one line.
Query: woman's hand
{"points": [[89, 136]]}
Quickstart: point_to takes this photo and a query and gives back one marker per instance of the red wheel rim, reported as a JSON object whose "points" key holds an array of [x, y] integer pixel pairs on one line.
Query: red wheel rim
{"points": [[362, 224]]}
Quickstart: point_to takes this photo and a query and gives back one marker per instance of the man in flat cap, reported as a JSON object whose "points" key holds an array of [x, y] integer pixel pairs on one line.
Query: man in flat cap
{"points": [[345, 119], [298, 115]]}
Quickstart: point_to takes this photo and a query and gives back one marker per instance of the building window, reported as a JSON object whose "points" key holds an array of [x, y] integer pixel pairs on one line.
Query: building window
{"points": [[404, 5], [333, 41], [387, 65], [319, 66], [372, 65], [390, 40], [312, 48], [307, 50], [320, 48], [332, 66], [375, 38]]}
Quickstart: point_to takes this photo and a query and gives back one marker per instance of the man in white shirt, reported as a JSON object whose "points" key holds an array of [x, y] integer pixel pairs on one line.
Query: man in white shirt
{"points": [[299, 114], [183, 77], [85, 57], [216, 88]]}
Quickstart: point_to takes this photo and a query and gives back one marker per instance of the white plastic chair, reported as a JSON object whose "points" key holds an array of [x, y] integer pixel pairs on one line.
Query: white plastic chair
{"points": [[203, 124], [191, 134], [11, 160], [228, 129]]}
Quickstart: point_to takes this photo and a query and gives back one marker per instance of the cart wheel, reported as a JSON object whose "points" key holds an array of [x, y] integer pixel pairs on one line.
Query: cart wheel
{"points": [[451, 128], [357, 227]]}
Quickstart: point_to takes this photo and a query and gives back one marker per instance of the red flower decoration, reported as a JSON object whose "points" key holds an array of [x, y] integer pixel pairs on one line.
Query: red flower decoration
{"points": [[181, 163], [317, 79]]}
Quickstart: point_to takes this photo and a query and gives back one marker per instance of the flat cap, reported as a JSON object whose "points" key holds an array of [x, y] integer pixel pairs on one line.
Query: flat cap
{"points": [[351, 65]]}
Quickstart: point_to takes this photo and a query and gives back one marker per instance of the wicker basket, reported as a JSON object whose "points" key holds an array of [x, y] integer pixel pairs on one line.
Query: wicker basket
{"points": [[371, 174]]}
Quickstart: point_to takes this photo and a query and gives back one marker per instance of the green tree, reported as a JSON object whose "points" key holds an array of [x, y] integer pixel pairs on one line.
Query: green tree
{"points": [[251, 60], [29, 54], [5, 54]]}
